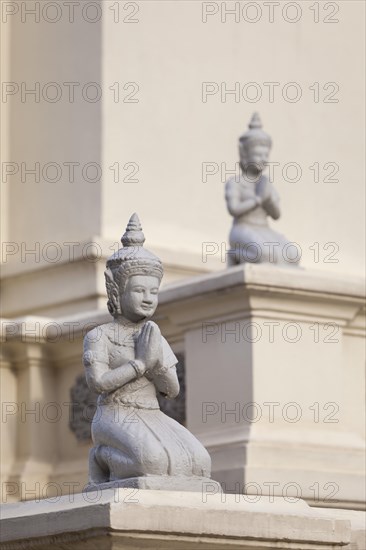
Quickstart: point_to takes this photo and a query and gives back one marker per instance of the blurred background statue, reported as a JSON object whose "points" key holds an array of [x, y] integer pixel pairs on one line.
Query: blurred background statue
{"points": [[250, 199]]}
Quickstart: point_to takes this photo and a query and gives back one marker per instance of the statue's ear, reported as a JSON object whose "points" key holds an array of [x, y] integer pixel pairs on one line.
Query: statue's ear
{"points": [[112, 292]]}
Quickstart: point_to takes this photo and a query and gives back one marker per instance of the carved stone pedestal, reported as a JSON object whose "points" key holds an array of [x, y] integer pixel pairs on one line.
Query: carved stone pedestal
{"points": [[130, 519]]}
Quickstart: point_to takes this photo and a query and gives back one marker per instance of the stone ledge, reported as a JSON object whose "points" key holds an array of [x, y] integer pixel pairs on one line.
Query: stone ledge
{"points": [[330, 295], [130, 518], [268, 276]]}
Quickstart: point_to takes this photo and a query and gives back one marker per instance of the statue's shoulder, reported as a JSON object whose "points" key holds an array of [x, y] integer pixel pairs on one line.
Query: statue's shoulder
{"points": [[98, 333], [232, 187], [233, 182], [169, 358]]}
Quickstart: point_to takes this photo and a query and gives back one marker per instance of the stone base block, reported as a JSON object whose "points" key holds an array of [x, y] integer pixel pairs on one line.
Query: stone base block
{"points": [[162, 483], [134, 519]]}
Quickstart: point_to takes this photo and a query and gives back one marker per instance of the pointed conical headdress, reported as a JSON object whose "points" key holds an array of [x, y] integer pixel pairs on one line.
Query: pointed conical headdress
{"points": [[255, 134], [131, 259]]}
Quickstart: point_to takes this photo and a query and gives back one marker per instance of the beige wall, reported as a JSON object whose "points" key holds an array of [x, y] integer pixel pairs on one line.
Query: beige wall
{"points": [[43, 131], [170, 132]]}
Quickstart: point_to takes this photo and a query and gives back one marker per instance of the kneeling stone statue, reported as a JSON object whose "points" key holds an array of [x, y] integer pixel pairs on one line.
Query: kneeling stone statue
{"points": [[127, 362], [251, 198]]}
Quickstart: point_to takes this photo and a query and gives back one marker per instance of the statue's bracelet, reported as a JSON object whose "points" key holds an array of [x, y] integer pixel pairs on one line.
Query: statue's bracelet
{"points": [[138, 366]]}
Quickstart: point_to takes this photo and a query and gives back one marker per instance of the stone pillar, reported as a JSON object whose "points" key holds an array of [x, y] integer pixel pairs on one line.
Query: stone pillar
{"points": [[274, 366], [39, 368]]}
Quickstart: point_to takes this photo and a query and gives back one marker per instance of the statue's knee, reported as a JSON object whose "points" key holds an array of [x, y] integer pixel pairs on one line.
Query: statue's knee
{"points": [[157, 463], [98, 470], [203, 462], [101, 455]]}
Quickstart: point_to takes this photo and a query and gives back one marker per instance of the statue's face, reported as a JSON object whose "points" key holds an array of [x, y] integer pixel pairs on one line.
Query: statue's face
{"points": [[140, 297], [255, 157]]}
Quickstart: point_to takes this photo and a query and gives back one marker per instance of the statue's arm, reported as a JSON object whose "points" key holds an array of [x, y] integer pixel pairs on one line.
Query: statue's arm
{"points": [[98, 374], [272, 206], [235, 205], [166, 381]]}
